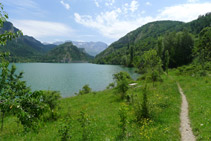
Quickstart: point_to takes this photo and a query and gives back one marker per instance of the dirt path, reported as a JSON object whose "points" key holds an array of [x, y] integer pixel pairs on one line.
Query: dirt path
{"points": [[185, 129]]}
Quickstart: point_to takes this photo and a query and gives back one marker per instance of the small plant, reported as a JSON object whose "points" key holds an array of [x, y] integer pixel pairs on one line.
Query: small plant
{"points": [[146, 131], [84, 121], [64, 131], [123, 122], [145, 111]]}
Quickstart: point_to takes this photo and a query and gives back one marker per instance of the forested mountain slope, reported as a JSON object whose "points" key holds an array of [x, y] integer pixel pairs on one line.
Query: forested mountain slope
{"points": [[146, 38]]}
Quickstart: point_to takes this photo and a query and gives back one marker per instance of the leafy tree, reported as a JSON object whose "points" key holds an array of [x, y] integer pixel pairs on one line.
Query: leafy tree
{"points": [[122, 80], [15, 96], [152, 65], [7, 81], [179, 46], [203, 48]]}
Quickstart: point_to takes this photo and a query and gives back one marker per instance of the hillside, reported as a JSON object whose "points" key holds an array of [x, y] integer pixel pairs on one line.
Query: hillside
{"points": [[92, 48], [24, 48], [145, 38], [66, 53]]}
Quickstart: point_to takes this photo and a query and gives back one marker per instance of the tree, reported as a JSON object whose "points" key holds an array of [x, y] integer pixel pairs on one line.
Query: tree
{"points": [[7, 80], [179, 46], [122, 79], [131, 56], [203, 48], [152, 65], [160, 47], [15, 96], [166, 65]]}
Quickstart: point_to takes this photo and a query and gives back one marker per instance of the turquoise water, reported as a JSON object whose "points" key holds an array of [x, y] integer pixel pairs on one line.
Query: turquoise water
{"points": [[69, 78]]}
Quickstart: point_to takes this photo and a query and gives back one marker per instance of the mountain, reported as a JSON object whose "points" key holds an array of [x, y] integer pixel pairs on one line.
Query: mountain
{"points": [[92, 48], [66, 53], [24, 48], [145, 38]]}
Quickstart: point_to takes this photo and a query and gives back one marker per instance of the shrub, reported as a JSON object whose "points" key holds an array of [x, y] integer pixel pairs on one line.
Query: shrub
{"points": [[51, 98], [123, 122], [84, 121], [110, 86], [64, 131], [85, 90]]}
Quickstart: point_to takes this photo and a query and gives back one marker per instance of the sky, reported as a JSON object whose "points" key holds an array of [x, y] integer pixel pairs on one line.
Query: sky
{"points": [[95, 20]]}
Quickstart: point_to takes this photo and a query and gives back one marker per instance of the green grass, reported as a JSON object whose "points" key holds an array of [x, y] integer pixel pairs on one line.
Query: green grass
{"points": [[102, 108], [198, 93]]}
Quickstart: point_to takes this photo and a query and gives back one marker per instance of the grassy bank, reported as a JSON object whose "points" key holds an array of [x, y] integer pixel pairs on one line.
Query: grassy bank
{"points": [[101, 110]]}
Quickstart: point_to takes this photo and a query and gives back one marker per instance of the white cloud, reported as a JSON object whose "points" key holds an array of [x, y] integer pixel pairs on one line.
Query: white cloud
{"points": [[109, 23], [148, 3], [118, 22], [96, 3], [110, 2], [184, 12], [191, 1], [134, 6], [42, 29], [66, 5]]}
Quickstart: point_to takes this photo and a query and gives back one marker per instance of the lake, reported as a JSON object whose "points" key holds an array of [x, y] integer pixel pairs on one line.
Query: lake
{"points": [[69, 78]]}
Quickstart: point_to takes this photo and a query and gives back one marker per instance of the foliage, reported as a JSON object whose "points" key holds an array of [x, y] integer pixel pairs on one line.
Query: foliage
{"points": [[85, 90], [29, 110], [203, 48], [122, 80], [179, 46], [152, 65], [65, 128], [84, 123], [121, 75], [110, 86], [166, 60], [51, 98], [123, 122], [145, 111]]}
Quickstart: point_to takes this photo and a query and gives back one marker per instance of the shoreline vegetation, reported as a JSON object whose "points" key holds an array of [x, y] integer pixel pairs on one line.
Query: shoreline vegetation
{"points": [[149, 110]]}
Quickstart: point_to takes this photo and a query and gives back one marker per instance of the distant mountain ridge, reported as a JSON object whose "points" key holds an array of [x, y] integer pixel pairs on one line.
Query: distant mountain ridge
{"points": [[92, 48], [67, 53], [28, 49], [24, 48]]}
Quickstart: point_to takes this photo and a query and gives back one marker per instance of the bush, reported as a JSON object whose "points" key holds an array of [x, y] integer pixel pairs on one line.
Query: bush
{"points": [[110, 86], [85, 90], [51, 98], [121, 75]]}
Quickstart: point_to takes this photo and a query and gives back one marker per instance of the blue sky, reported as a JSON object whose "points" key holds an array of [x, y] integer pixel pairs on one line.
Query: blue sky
{"points": [[95, 20]]}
